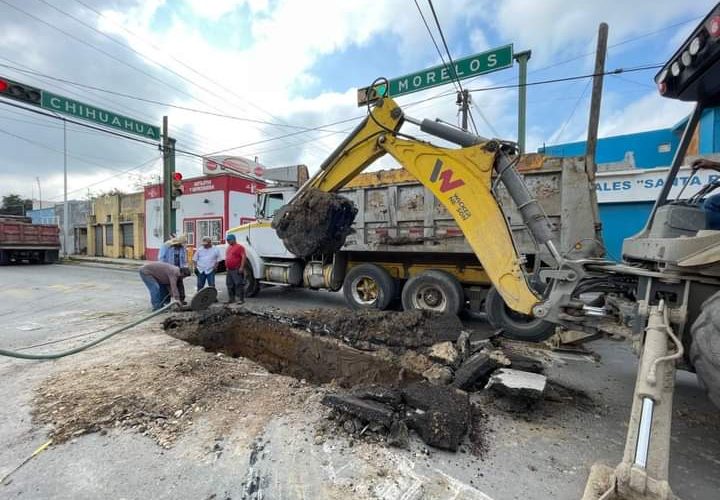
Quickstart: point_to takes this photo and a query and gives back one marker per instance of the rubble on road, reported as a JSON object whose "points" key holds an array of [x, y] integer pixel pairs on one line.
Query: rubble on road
{"points": [[518, 384], [440, 415]]}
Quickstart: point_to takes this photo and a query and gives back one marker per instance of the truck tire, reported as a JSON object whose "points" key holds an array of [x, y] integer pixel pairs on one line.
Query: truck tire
{"points": [[434, 290], [252, 286], [705, 347], [514, 325], [368, 286], [49, 257]]}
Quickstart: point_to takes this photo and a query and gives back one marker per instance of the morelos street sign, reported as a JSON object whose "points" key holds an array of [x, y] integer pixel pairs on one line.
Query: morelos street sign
{"points": [[478, 64], [100, 116]]}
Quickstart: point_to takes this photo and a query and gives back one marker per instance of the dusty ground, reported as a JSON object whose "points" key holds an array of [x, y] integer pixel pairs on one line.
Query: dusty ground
{"points": [[161, 394]]}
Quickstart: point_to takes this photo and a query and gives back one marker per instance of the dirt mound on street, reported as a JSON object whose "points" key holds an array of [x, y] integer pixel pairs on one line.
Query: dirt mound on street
{"points": [[317, 222], [159, 394], [407, 329]]}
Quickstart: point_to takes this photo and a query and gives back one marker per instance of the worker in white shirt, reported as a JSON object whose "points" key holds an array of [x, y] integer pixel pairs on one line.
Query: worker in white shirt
{"points": [[206, 259]]}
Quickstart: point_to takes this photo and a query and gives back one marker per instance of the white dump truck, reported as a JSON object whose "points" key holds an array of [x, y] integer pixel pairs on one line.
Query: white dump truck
{"points": [[407, 246]]}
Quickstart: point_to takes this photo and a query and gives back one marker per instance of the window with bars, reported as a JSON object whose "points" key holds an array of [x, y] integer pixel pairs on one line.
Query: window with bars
{"points": [[189, 230], [211, 228]]}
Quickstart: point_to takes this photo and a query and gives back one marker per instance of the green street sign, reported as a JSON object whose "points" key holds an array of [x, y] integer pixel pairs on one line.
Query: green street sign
{"points": [[100, 116], [478, 64]]}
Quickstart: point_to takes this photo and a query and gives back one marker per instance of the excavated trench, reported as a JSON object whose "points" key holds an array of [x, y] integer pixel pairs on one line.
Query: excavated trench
{"points": [[280, 346]]}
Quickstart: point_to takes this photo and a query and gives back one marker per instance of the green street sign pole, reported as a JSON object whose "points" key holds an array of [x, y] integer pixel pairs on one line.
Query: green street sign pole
{"points": [[467, 67]]}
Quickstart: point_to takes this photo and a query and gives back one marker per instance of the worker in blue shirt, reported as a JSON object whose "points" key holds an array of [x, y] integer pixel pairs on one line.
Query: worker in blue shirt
{"points": [[174, 253]]}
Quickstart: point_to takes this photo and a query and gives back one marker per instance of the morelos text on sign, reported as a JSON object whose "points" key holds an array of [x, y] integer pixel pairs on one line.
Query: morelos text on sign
{"points": [[478, 64], [79, 109]]}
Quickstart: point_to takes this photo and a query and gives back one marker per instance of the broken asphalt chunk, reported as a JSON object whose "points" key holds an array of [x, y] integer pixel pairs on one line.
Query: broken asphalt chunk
{"points": [[369, 411], [439, 414], [476, 368]]}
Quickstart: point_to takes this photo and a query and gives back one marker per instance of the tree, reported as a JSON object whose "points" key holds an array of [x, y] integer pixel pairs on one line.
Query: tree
{"points": [[14, 204]]}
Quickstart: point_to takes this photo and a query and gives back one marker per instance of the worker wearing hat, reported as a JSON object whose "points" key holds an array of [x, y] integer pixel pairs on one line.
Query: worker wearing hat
{"points": [[175, 254], [235, 265]]}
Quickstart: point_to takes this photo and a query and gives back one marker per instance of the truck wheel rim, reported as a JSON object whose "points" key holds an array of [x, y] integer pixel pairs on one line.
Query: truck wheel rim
{"points": [[430, 298], [365, 290]]}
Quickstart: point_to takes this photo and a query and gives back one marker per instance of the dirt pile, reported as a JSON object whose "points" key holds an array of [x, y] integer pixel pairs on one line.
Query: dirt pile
{"points": [[161, 394], [316, 222], [368, 328]]}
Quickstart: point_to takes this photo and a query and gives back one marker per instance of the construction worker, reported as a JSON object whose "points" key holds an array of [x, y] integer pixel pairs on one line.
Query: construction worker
{"points": [[712, 203], [162, 280], [234, 263], [175, 254], [206, 259]]}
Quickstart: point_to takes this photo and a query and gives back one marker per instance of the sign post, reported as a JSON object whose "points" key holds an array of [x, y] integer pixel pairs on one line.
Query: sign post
{"points": [[467, 67]]}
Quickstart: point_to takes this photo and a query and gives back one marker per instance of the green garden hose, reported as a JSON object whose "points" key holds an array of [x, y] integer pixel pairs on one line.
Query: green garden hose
{"points": [[62, 354]]}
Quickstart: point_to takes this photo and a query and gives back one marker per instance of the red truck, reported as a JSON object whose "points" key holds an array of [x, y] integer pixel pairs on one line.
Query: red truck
{"points": [[20, 240]]}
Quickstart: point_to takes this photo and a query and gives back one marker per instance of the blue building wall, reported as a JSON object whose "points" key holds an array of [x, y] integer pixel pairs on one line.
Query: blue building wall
{"points": [[654, 148], [42, 215], [650, 149]]}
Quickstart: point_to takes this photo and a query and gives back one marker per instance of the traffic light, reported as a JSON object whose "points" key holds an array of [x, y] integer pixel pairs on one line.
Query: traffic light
{"points": [[177, 186], [20, 92]]}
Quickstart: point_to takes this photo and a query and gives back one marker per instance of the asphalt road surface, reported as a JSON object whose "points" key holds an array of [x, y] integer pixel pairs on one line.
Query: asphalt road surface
{"points": [[528, 458]]}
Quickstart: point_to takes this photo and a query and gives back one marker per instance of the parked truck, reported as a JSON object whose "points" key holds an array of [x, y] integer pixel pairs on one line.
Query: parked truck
{"points": [[406, 244], [21, 240]]}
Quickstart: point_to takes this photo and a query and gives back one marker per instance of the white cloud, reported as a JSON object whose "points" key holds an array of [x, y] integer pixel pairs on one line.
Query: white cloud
{"points": [[647, 113]]}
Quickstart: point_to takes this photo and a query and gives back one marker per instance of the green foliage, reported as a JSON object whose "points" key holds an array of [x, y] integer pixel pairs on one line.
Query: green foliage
{"points": [[14, 204]]}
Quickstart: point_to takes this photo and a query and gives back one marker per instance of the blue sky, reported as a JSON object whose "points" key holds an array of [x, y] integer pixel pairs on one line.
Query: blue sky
{"points": [[299, 63]]}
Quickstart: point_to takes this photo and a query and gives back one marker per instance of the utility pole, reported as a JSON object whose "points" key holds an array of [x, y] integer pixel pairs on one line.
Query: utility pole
{"points": [[522, 58], [595, 101], [463, 101], [66, 221], [168, 150], [39, 191]]}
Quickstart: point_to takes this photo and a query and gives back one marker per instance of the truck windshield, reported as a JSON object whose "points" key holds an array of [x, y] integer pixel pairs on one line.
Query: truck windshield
{"points": [[273, 202]]}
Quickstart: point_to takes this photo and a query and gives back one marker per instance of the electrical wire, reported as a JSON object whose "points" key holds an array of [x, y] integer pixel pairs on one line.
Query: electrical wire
{"points": [[160, 103], [572, 112], [179, 61], [432, 37]]}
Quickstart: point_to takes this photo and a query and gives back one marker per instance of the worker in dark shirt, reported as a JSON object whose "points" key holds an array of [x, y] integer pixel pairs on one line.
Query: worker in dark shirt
{"points": [[235, 265], [161, 280], [712, 203]]}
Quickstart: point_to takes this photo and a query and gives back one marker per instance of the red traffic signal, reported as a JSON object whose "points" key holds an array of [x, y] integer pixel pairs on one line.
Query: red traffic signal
{"points": [[177, 186], [20, 92]]}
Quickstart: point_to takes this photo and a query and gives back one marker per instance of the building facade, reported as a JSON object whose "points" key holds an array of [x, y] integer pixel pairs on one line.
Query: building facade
{"points": [[116, 226], [78, 211], [632, 170], [209, 206]]}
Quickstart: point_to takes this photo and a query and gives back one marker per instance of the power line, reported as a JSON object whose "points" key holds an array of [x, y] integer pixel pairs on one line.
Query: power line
{"points": [[159, 103], [190, 68], [572, 112], [156, 158], [447, 50], [92, 98], [432, 37], [570, 78]]}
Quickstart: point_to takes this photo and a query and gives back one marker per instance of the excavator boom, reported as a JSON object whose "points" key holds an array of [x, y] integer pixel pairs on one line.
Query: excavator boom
{"points": [[461, 178]]}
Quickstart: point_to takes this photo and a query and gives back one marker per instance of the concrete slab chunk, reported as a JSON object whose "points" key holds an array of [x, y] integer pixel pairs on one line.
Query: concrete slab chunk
{"points": [[369, 411], [517, 383], [444, 352]]}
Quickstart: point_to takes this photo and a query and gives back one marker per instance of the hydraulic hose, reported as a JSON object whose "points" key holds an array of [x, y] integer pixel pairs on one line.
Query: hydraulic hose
{"points": [[62, 354]]}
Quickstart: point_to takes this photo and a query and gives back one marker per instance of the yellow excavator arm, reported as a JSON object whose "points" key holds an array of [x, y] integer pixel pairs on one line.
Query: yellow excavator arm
{"points": [[461, 178]]}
